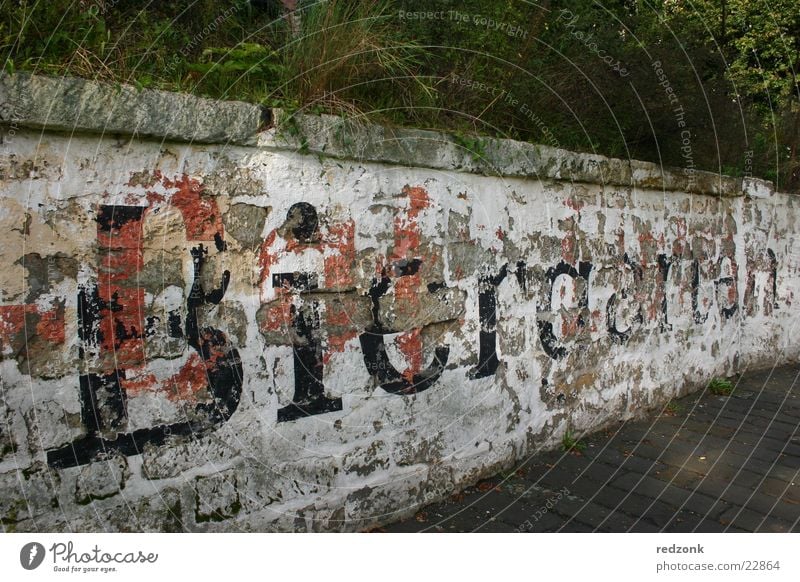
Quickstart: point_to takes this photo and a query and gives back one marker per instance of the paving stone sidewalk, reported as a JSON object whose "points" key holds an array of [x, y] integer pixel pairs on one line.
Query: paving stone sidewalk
{"points": [[707, 463]]}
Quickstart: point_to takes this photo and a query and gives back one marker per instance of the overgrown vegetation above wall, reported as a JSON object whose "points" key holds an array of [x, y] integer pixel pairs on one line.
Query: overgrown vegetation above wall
{"points": [[706, 84]]}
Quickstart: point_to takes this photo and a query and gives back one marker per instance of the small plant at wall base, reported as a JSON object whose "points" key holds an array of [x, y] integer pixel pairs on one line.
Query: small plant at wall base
{"points": [[673, 408], [572, 443], [720, 387]]}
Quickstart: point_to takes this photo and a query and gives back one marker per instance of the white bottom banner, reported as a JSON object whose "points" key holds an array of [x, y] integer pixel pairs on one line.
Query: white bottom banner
{"points": [[353, 557]]}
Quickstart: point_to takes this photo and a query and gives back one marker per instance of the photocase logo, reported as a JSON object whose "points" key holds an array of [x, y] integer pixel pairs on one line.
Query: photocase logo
{"points": [[31, 555]]}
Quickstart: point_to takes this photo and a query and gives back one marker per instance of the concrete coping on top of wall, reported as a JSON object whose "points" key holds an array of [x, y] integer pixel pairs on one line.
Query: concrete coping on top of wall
{"points": [[76, 105]]}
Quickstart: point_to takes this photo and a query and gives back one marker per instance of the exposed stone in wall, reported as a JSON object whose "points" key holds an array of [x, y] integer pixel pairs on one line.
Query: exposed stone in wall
{"points": [[155, 513], [245, 223], [219, 338], [59, 103], [101, 479], [216, 497], [27, 495]]}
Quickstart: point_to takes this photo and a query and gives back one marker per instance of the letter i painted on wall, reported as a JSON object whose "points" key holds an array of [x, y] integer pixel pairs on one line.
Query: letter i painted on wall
{"points": [[300, 245], [487, 315]]}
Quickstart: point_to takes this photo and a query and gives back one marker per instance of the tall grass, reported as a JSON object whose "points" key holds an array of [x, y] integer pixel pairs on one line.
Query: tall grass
{"points": [[347, 53], [356, 57]]}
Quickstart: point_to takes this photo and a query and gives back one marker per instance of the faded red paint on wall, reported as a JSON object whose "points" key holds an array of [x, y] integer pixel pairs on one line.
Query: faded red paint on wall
{"points": [[341, 257], [18, 323], [122, 317], [336, 247], [200, 213], [407, 247]]}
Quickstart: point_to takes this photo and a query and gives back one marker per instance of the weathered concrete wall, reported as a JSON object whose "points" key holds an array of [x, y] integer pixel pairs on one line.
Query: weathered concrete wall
{"points": [[324, 326]]}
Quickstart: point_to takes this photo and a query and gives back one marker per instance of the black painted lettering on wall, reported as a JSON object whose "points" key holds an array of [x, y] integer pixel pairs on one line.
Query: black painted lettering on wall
{"points": [[223, 365], [773, 272], [727, 307], [614, 332], [103, 402], [664, 265], [373, 347], [698, 316], [309, 397], [303, 221], [763, 298], [550, 342], [103, 398], [522, 275], [487, 316], [307, 354]]}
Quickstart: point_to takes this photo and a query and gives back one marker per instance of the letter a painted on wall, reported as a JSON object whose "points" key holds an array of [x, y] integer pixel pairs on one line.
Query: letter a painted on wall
{"points": [[547, 335]]}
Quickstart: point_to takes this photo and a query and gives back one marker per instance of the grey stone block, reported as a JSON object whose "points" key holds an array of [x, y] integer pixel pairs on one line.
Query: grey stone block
{"points": [[216, 497], [101, 479], [78, 105]]}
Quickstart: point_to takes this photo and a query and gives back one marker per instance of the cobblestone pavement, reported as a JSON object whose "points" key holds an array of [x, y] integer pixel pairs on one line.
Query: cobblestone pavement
{"points": [[706, 463]]}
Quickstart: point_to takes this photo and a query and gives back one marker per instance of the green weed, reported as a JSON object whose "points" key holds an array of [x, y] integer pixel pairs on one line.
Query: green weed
{"points": [[720, 387], [673, 408], [572, 443]]}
